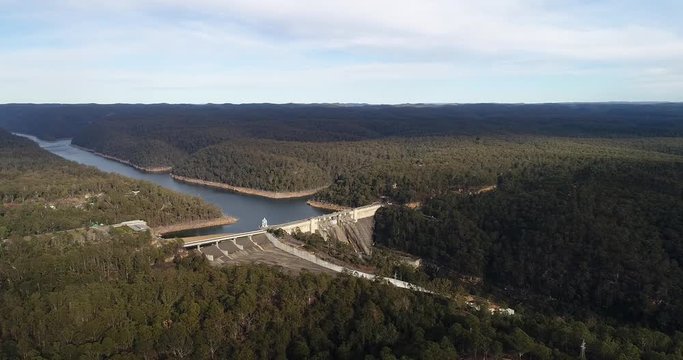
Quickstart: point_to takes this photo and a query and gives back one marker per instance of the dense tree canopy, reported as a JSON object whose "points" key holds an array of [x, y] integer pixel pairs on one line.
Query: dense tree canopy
{"points": [[406, 153], [146, 153], [213, 123], [115, 297], [607, 237], [252, 167], [41, 192], [582, 232]]}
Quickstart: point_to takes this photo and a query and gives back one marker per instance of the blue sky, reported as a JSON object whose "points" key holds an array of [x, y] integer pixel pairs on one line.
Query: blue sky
{"points": [[374, 51]]}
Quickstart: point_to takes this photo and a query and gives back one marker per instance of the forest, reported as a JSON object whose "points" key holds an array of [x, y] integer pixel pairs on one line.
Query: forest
{"points": [[41, 192], [580, 231], [245, 166], [604, 239], [362, 153], [214, 123], [403, 170], [118, 297]]}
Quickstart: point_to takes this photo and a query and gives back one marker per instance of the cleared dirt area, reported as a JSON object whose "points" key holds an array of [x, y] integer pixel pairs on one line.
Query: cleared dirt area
{"points": [[257, 249]]}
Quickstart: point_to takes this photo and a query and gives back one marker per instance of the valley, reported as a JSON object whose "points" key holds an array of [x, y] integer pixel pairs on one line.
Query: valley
{"points": [[526, 239]]}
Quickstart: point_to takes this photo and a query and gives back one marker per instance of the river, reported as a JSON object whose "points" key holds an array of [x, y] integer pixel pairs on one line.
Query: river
{"points": [[248, 209]]}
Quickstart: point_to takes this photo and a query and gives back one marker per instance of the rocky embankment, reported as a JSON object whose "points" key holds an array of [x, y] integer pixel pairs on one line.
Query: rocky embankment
{"points": [[326, 206], [248, 191], [195, 224], [151, 169]]}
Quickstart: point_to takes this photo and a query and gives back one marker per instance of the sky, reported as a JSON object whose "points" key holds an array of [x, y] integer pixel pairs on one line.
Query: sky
{"points": [[353, 51]]}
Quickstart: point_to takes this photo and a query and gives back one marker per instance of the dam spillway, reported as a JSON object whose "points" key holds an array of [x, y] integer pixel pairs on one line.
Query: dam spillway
{"points": [[322, 224]]}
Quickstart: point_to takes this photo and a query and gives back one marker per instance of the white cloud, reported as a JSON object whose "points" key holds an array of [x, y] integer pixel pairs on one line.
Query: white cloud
{"points": [[488, 27], [317, 46]]}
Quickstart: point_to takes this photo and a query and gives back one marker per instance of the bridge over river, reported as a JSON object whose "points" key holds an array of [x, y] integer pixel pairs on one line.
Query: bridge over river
{"points": [[262, 246]]}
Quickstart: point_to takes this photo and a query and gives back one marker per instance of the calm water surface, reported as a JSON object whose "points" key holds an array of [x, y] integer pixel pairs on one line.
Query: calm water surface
{"points": [[248, 209]]}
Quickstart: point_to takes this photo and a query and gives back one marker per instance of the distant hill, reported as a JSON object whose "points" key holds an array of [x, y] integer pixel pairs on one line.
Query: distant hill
{"points": [[363, 152], [335, 122]]}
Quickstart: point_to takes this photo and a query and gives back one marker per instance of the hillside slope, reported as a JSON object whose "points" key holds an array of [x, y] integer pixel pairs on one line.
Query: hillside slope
{"points": [[41, 192]]}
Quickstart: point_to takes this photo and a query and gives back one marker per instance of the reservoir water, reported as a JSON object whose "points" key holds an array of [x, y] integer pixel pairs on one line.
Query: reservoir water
{"points": [[248, 209]]}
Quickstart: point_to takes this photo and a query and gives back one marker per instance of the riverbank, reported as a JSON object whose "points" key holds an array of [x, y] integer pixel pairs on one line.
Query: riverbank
{"points": [[326, 206], [193, 225], [151, 170], [250, 210], [248, 191]]}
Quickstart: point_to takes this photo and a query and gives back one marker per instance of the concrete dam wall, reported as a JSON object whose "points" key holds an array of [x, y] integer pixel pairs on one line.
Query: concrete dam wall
{"points": [[357, 234], [354, 227]]}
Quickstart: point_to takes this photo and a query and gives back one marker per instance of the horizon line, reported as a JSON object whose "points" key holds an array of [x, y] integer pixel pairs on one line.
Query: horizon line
{"points": [[408, 104]]}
